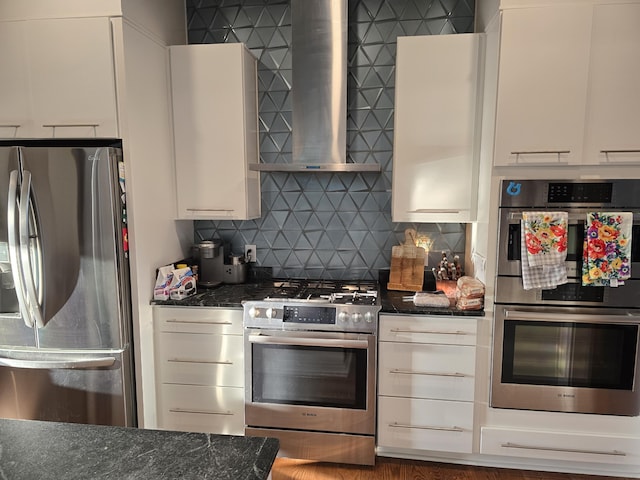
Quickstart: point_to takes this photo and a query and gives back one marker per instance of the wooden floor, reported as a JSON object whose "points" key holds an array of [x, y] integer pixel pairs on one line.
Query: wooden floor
{"points": [[396, 469]]}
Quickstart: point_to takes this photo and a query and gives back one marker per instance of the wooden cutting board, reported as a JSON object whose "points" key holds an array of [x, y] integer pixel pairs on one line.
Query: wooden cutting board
{"points": [[407, 265]]}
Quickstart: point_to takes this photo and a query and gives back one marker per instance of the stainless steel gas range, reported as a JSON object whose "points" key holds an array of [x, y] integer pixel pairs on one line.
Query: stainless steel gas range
{"points": [[310, 374]]}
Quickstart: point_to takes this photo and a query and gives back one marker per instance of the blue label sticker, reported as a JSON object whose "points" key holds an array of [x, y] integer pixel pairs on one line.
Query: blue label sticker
{"points": [[514, 188]]}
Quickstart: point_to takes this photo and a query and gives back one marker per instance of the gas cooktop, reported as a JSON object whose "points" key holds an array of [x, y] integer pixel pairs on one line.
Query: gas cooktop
{"points": [[331, 291]]}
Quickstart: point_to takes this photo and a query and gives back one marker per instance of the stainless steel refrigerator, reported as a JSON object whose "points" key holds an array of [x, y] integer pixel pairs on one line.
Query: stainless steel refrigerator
{"points": [[65, 307]]}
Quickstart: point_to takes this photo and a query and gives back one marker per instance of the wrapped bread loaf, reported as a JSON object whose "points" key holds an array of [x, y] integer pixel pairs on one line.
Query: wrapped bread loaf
{"points": [[469, 294], [426, 299]]}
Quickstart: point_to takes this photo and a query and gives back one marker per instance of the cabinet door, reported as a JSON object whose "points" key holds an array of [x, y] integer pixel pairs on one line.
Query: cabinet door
{"points": [[564, 446], [195, 408], [214, 94], [613, 117], [202, 359], [542, 85], [71, 69], [435, 151], [427, 371], [15, 114], [425, 424]]}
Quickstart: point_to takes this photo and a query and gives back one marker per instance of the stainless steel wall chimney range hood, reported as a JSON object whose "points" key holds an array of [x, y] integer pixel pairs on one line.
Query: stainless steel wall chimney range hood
{"points": [[319, 90]]}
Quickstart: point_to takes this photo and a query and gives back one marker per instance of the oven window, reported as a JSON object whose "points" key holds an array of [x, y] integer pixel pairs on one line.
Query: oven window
{"points": [[314, 376], [575, 237], [569, 354]]}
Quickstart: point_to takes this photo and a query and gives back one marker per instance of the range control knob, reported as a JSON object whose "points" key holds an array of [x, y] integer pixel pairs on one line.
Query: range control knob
{"points": [[254, 312], [368, 317], [343, 316], [271, 312], [356, 317]]}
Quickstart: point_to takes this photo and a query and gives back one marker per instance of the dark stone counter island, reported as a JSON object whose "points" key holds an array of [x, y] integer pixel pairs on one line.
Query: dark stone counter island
{"points": [[48, 450]]}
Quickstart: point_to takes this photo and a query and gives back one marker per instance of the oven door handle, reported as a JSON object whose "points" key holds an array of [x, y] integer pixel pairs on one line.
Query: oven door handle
{"points": [[576, 317], [311, 342]]}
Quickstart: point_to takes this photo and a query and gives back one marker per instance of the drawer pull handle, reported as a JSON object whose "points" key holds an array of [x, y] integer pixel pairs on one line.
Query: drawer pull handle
{"points": [[436, 210], [569, 450], [427, 427], [205, 412], [187, 360], [435, 374], [194, 322], [429, 332]]}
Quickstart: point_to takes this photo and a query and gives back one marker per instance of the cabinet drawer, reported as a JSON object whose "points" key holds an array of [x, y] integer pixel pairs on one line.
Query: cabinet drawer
{"points": [[575, 447], [425, 424], [200, 359], [198, 320], [427, 371], [421, 329], [193, 408]]}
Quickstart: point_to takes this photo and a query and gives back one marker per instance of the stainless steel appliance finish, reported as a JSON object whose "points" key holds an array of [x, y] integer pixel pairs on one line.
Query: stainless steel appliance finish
{"points": [[65, 315], [573, 348], [310, 373], [319, 89], [566, 359]]}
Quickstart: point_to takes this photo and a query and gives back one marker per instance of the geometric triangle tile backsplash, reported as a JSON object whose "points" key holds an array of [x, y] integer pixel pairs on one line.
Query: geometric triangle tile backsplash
{"points": [[328, 225]]}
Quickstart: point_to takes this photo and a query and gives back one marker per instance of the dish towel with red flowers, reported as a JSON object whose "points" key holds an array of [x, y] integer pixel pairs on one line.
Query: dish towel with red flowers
{"points": [[544, 249], [607, 249]]}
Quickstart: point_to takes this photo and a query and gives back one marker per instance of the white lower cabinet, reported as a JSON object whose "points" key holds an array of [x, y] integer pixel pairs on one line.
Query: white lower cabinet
{"points": [[420, 424], [199, 369], [572, 447], [426, 382]]}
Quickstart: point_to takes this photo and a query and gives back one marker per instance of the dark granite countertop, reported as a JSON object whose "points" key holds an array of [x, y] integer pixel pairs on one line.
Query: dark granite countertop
{"points": [[392, 302], [231, 296], [49, 450]]}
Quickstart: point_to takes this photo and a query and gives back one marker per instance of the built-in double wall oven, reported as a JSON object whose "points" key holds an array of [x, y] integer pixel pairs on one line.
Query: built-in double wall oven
{"points": [[572, 348]]}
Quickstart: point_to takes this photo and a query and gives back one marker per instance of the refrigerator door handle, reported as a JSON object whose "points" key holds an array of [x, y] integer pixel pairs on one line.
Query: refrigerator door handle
{"points": [[25, 238], [65, 363], [14, 257]]}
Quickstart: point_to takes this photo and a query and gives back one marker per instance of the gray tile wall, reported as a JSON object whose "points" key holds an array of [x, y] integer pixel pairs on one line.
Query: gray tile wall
{"points": [[328, 225]]}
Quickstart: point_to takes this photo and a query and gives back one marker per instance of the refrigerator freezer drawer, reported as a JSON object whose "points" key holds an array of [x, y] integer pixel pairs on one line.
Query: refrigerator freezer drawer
{"points": [[96, 389]]}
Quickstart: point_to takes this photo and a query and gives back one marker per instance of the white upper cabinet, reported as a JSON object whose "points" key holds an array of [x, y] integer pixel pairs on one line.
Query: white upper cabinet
{"points": [[613, 109], [215, 118], [58, 79], [542, 85], [568, 85], [435, 157]]}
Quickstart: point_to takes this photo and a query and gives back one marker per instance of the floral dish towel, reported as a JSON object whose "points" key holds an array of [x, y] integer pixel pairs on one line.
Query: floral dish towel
{"points": [[607, 248], [545, 277], [545, 234]]}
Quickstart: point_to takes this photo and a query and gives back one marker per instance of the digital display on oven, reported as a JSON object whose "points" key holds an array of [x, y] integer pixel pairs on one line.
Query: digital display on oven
{"points": [[580, 192], [574, 292], [314, 315]]}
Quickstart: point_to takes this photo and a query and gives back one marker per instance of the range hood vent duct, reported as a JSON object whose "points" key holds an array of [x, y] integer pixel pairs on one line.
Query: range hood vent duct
{"points": [[319, 90]]}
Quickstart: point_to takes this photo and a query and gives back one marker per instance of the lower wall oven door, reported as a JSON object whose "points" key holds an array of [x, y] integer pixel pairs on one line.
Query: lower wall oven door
{"points": [[566, 360], [314, 381]]}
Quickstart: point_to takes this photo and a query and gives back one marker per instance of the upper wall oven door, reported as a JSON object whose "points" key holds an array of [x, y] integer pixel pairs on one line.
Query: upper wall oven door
{"points": [[510, 237], [320, 381]]}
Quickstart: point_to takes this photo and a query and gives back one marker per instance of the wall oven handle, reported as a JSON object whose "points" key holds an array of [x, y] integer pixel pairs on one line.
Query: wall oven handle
{"points": [[577, 317], [427, 427], [400, 371], [310, 342], [569, 450]]}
